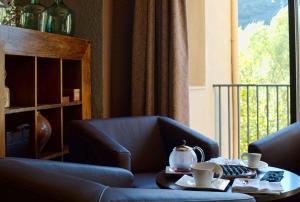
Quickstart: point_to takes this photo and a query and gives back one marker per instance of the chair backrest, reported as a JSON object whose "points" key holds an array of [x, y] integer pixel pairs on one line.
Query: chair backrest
{"points": [[141, 136], [280, 149]]}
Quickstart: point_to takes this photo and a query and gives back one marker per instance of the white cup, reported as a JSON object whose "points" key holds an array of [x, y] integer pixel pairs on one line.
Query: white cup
{"points": [[203, 173], [253, 159]]}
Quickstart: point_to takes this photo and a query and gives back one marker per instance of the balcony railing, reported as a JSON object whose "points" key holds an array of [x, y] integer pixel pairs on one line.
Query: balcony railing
{"points": [[248, 112]]}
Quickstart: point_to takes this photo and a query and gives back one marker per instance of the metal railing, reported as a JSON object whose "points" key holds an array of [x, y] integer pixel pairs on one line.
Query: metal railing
{"points": [[248, 112]]}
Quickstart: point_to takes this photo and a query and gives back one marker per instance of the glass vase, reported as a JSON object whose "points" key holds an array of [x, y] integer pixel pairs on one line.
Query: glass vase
{"points": [[60, 19], [12, 14], [34, 16]]}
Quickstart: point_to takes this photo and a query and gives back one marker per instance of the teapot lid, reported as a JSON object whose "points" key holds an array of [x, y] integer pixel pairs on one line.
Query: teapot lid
{"points": [[182, 147]]}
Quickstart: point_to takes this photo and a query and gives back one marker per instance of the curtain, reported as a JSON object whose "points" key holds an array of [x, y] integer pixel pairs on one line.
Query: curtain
{"points": [[159, 79]]}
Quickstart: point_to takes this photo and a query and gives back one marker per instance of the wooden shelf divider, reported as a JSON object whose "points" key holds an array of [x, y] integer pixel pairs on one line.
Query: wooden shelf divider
{"points": [[72, 103], [15, 110]]}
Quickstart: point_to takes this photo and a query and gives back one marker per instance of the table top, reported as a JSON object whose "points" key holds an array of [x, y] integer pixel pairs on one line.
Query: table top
{"points": [[290, 184]]}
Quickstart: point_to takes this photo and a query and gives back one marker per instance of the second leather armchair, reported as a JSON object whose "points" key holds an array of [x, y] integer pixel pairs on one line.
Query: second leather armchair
{"points": [[139, 144]]}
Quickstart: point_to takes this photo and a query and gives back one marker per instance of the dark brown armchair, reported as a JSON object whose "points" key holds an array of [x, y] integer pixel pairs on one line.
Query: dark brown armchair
{"points": [[139, 144], [29, 180]]}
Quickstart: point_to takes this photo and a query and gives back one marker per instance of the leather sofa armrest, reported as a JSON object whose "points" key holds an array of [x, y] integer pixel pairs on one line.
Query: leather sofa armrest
{"points": [[108, 176], [91, 146], [174, 132], [280, 149], [136, 195], [21, 182]]}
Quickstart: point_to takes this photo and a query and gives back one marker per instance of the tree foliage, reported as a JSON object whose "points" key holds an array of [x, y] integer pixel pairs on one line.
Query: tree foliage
{"points": [[264, 59], [264, 51]]}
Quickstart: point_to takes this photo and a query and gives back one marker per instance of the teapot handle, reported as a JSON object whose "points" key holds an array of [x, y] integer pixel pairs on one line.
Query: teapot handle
{"points": [[201, 152]]}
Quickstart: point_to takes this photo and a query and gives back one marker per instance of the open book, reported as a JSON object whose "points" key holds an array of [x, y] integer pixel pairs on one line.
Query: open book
{"points": [[255, 186]]}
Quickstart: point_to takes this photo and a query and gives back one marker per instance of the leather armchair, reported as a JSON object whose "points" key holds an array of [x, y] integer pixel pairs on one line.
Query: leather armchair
{"points": [[36, 180], [139, 144], [281, 149]]}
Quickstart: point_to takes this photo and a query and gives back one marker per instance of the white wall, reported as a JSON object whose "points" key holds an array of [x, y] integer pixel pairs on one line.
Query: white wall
{"points": [[217, 55], [196, 36]]}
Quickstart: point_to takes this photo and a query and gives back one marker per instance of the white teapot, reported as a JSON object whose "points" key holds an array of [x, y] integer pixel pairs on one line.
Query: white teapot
{"points": [[183, 157]]}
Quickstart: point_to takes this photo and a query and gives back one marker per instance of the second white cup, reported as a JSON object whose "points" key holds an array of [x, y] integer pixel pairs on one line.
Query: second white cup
{"points": [[253, 159]]}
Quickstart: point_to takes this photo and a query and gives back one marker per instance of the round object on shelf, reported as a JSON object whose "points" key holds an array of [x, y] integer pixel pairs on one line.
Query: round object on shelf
{"points": [[43, 131]]}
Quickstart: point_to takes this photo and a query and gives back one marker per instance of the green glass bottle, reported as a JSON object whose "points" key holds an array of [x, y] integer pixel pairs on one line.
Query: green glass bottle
{"points": [[34, 16], [60, 19]]}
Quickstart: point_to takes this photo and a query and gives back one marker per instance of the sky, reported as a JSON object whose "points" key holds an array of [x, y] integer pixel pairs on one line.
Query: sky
{"points": [[258, 10]]}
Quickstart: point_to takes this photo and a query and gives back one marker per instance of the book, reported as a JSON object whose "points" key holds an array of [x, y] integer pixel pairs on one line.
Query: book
{"points": [[256, 186]]}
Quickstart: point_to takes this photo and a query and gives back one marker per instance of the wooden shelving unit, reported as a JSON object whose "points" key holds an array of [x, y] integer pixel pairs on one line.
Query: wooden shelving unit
{"points": [[40, 67]]}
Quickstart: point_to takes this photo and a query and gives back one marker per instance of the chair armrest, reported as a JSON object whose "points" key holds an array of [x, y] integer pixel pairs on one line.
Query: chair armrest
{"points": [[21, 182], [174, 132], [108, 176], [280, 149], [136, 195], [91, 146]]}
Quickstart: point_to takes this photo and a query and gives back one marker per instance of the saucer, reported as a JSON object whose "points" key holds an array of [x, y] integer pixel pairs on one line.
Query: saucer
{"points": [[217, 185], [261, 164]]}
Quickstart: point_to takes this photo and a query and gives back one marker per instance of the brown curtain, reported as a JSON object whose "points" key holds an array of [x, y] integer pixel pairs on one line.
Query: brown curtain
{"points": [[160, 59]]}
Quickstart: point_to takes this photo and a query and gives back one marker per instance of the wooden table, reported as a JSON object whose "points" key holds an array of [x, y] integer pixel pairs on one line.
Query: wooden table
{"points": [[290, 184]]}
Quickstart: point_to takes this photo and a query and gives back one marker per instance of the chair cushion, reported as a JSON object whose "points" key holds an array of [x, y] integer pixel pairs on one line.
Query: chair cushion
{"points": [[145, 181], [98, 174], [141, 136]]}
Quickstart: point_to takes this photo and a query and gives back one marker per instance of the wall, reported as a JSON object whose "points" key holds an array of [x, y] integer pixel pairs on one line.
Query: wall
{"points": [[217, 31], [196, 37], [121, 49], [106, 54]]}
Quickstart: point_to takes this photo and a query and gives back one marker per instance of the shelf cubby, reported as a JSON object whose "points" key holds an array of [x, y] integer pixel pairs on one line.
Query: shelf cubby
{"points": [[54, 144], [72, 74], [13, 121], [71, 70], [48, 81], [20, 80]]}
